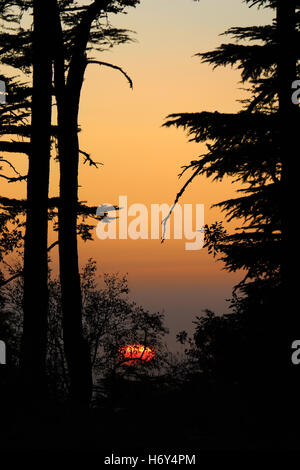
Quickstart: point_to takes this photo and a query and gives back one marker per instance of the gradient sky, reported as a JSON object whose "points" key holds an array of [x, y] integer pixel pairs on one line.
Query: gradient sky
{"points": [[122, 128]]}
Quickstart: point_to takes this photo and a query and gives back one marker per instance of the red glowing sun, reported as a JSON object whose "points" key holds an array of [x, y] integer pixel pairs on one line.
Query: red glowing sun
{"points": [[134, 353]]}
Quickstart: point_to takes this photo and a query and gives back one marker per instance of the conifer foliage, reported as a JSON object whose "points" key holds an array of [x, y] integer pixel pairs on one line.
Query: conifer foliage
{"points": [[247, 146]]}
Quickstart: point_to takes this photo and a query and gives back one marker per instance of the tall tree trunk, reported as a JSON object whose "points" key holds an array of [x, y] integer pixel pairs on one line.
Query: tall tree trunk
{"points": [[35, 301], [288, 115], [76, 347], [68, 92], [286, 320]]}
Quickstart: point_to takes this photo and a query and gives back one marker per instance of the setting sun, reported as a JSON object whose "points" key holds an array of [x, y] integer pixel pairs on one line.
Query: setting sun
{"points": [[133, 353]]}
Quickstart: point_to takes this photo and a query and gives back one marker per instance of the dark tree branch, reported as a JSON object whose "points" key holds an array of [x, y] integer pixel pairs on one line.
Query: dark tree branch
{"points": [[15, 147], [12, 278], [89, 160], [10, 165], [13, 180], [178, 196], [52, 245], [112, 66]]}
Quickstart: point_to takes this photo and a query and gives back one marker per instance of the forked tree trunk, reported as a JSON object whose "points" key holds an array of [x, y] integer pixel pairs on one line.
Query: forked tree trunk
{"points": [[76, 347]]}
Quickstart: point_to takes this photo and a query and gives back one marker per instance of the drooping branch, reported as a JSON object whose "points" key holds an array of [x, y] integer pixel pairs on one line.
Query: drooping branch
{"points": [[11, 179], [3, 160], [112, 66]]}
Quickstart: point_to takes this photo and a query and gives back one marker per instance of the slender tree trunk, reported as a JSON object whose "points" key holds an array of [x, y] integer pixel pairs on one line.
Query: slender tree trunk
{"points": [[35, 301], [76, 347], [68, 93]]}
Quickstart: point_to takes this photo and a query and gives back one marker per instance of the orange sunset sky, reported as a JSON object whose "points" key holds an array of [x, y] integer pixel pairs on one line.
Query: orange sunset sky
{"points": [[122, 128]]}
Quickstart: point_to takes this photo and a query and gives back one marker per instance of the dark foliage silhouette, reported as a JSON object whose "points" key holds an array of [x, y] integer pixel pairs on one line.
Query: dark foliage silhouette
{"points": [[254, 147], [77, 33], [233, 385]]}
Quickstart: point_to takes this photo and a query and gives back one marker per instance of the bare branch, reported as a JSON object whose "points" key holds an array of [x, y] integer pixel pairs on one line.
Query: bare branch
{"points": [[10, 165], [13, 180], [52, 245], [89, 160], [178, 196], [112, 66]]}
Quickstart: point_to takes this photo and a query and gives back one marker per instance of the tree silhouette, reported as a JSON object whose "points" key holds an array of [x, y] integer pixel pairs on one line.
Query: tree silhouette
{"points": [[255, 147], [68, 92], [35, 304], [110, 319], [77, 31], [248, 146], [38, 148]]}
